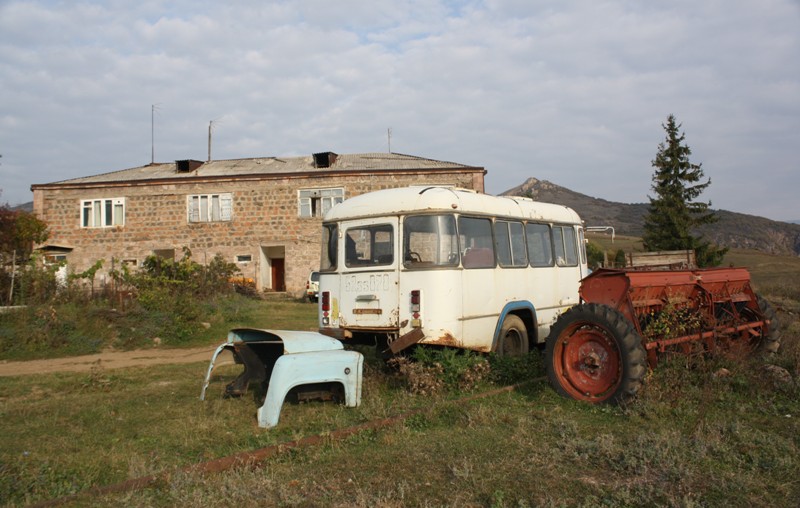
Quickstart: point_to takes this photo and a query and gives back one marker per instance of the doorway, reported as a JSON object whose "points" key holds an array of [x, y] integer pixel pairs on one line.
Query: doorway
{"points": [[272, 272]]}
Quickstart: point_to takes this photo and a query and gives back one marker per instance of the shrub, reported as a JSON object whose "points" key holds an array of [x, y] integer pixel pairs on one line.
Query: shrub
{"points": [[595, 255], [507, 370], [431, 370]]}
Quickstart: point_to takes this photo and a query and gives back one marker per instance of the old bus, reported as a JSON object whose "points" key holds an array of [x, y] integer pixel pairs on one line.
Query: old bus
{"points": [[448, 266]]}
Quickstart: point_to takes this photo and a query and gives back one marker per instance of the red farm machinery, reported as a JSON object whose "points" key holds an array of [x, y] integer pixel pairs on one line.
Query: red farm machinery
{"points": [[601, 349]]}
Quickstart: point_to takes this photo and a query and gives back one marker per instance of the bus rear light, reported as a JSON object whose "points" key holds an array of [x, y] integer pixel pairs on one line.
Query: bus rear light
{"points": [[326, 302], [415, 303]]}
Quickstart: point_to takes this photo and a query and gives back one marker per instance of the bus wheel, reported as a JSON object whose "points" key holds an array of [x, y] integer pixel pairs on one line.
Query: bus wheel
{"points": [[513, 340], [594, 354]]}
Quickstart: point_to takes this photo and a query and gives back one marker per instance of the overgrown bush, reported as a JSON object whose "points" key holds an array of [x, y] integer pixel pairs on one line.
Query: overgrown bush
{"points": [[34, 283], [185, 276], [431, 370], [672, 321], [509, 370], [595, 255], [167, 302]]}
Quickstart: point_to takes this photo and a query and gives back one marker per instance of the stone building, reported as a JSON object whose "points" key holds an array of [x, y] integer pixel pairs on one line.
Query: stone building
{"points": [[264, 214]]}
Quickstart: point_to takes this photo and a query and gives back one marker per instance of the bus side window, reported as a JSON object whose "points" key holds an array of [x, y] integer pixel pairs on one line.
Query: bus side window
{"points": [[502, 243], [429, 241], [558, 243], [476, 242], [540, 249], [329, 252], [570, 246], [509, 240], [566, 248]]}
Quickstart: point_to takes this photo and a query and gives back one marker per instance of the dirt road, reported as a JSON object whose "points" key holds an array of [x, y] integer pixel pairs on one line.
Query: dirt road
{"points": [[108, 360]]}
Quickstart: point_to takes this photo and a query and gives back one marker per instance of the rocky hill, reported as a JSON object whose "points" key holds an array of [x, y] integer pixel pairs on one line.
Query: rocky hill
{"points": [[732, 230]]}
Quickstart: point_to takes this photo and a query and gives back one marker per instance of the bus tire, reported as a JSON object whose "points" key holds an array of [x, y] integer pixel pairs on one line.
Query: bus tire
{"points": [[594, 354], [513, 339]]}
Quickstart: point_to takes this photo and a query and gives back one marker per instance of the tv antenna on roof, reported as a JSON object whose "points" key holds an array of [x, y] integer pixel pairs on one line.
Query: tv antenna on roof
{"points": [[153, 109], [210, 128]]}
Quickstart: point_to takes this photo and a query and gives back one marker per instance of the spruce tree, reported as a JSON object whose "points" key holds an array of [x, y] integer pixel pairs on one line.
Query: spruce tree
{"points": [[674, 214]]}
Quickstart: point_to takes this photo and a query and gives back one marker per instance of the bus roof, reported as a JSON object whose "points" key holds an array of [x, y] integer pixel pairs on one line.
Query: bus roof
{"points": [[448, 199]]}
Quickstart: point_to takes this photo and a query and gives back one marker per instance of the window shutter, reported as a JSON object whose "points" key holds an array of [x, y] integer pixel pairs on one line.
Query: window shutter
{"points": [[226, 206], [119, 212], [194, 208]]}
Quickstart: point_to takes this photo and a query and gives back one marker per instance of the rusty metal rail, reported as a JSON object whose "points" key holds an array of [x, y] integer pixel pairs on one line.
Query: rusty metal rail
{"points": [[255, 458]]}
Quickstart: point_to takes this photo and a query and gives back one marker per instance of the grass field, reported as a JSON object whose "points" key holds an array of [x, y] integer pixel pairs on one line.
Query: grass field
{"points": [[693, 437]]}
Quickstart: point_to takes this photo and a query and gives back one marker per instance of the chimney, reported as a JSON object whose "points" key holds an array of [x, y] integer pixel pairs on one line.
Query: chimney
{"points": [[187, 165], [324, 159]]}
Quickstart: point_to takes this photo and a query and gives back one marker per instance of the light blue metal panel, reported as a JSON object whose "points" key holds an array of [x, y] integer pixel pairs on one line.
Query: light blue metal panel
{"points": [[293, 341], [338, 366], [219, 350]]}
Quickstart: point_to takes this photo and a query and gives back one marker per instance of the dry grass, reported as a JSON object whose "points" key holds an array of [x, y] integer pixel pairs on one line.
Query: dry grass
{"points": [[691, 438]]}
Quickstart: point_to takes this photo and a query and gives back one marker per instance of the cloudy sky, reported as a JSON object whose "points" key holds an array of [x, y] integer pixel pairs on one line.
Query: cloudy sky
{"points": [[574, 92]]}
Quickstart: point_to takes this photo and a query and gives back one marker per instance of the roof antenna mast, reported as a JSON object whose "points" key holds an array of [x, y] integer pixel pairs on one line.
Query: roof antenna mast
{"points": [[210, 129], [153, 109], [389, 138]]}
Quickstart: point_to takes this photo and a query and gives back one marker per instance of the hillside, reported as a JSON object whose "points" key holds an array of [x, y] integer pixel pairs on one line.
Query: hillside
{"points": [[732, 230]]}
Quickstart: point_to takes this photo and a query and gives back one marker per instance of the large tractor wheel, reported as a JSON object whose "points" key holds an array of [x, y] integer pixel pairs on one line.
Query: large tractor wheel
{"points": [[594, 354], [513, 339], [771, 341]]}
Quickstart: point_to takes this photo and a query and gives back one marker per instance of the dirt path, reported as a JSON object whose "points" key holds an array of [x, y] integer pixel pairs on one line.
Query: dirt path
{"points": [[108, 360]]}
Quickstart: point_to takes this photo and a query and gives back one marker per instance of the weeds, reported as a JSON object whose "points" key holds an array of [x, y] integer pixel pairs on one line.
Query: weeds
{"points": [[693, 436], [431, 370], [172, 303]]}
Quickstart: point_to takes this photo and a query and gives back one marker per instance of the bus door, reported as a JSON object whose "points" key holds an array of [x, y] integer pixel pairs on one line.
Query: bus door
{"points": [[568, 263], [544, 286], [430, 282], [480, 299], [368, 293]]}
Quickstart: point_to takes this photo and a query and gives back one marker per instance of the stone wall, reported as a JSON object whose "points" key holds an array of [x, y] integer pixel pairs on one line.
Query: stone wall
{"points": [[265, 222]]}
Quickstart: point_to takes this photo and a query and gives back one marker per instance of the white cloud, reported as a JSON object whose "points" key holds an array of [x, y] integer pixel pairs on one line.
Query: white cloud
{"points": [[574, 92]]}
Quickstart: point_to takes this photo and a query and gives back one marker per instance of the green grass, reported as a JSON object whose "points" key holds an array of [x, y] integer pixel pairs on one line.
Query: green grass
{"points": [[692, 438], [68, 329], [768, 271]]}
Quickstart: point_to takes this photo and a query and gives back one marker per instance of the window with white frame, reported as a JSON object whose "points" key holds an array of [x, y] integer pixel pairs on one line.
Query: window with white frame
{"points": [[210, 207], [102, 213], [316, 202]]}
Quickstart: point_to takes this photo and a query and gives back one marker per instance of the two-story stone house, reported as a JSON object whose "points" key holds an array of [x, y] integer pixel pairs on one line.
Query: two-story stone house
{"points": [[263, 213]]}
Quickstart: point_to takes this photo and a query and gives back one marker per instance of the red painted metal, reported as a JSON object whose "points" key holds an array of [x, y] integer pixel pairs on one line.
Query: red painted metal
{"points": [[589, 363], [713, 304]]}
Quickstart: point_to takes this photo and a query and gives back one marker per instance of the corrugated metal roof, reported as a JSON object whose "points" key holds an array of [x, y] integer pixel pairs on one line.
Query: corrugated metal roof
{"points": [[269, 166]]}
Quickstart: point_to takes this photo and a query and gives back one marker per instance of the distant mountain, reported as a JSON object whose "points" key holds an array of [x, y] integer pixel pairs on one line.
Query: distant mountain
{"points": [[731, 230]]}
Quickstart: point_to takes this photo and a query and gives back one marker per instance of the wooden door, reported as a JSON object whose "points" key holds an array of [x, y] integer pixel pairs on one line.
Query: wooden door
{"points": [[278, 279]]}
